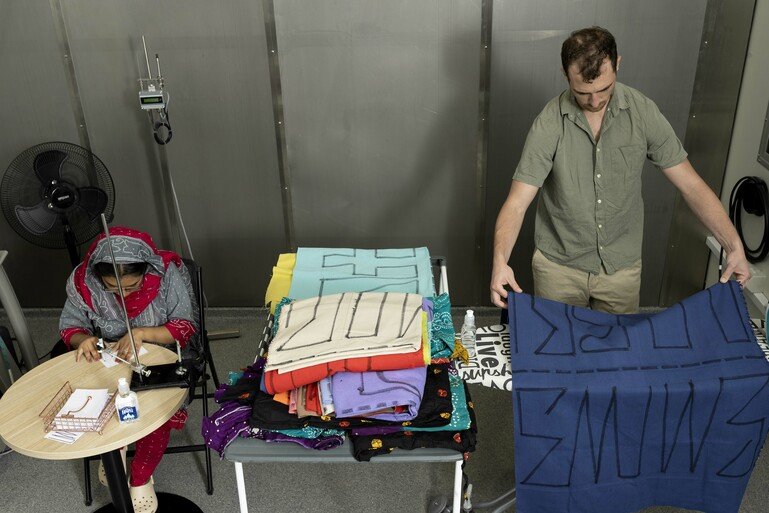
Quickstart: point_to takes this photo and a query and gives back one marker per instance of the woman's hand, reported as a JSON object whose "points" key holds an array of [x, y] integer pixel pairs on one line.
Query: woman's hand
{"points": [[87, 348], [123, 346]]}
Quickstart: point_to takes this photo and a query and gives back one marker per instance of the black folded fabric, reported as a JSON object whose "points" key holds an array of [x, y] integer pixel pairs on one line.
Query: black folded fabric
{"points": [[246, 389], [366, 447]]}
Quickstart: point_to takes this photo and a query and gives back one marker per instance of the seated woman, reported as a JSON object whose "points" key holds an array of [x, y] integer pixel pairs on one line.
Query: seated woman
{"points": [[161, 308]]}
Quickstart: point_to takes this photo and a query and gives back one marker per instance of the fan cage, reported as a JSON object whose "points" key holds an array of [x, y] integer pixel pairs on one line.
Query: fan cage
{"points": [[21, 186]]}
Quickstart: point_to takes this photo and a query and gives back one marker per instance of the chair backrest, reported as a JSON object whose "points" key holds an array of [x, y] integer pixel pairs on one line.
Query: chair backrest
{"points": [[196, 275]]}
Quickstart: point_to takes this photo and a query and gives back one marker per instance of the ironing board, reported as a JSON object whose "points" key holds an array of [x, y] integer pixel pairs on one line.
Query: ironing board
{"points": [[249, 450]]}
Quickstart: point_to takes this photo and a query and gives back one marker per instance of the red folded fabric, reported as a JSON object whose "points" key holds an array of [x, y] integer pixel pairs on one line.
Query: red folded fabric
{"points": [[312, 399], [275, 383]]}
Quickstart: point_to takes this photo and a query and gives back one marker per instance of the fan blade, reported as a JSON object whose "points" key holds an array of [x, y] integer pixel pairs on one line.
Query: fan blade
{"points": [[37, 220], [47, 165], [93, 200]]}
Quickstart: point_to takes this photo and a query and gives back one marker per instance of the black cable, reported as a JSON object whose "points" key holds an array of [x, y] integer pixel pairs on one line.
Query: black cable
{"points": [[751, 195], [165, 122]]}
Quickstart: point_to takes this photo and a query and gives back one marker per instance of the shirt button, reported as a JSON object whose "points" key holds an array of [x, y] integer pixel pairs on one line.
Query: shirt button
{"points": [[599, 201], [598, 175], [598, 149], [600, 226], [600, 247]]}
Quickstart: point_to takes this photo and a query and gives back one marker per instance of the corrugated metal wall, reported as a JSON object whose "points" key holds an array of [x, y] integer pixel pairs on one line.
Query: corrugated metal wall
{"points": [[381, 109]]}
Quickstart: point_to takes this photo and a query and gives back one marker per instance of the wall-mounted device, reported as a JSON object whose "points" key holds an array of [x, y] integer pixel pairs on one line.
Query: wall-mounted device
{"points": [[151, 88], [154, 99]]}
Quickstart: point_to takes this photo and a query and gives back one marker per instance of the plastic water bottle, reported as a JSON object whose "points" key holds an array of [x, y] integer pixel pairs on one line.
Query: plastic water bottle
{"points": [[126, 403], [468, 333]]}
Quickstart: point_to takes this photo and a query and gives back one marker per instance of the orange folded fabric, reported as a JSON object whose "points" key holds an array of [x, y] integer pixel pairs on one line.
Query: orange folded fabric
{"points": [[282, 398], [275, 382]]}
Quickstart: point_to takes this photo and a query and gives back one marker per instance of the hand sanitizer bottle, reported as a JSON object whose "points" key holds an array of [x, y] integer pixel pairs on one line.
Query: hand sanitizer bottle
{"points": [[126, 403], [468, 333]]}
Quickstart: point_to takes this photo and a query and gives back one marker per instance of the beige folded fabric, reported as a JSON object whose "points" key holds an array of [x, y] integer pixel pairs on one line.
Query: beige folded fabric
{"points": [[340, 326]]}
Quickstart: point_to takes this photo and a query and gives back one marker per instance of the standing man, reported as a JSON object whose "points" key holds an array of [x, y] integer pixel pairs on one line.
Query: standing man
{"points": [[586, 151]]}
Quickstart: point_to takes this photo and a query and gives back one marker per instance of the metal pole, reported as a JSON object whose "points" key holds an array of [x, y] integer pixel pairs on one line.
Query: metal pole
{"points": [[16, 316], [138, 367]]}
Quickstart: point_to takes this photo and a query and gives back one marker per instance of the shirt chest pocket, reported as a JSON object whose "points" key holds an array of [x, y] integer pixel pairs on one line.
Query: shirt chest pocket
{"points": [[627, 163]]}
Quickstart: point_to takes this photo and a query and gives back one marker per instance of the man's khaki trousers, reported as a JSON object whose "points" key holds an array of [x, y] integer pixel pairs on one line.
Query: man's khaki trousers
{"points": [[616, 293]]}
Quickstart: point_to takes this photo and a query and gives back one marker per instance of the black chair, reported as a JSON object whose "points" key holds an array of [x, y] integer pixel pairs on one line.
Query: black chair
{"points": [[206, 363]]}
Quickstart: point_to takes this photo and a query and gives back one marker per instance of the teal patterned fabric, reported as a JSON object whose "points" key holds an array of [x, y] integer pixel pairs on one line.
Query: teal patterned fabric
{"points": [[310, 432], [278, 308], [233, 377], [442, 328]]}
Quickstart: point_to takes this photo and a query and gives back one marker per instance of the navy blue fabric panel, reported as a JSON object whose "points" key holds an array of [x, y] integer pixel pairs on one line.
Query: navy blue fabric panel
{"points": [[615, 413]]}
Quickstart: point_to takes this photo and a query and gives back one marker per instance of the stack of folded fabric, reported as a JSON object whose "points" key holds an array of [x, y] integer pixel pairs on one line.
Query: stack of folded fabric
{"points": [[369, 357]]}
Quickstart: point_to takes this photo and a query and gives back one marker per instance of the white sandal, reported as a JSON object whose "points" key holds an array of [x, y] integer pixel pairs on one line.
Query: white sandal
{"points": [[144, 498], [103, 474]]}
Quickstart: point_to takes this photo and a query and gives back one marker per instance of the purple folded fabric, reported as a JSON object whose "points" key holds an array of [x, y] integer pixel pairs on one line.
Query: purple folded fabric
{"points": [[375, 430], [321, 444], [225, 425], [231, 421], [361, 393], [429, 308]]}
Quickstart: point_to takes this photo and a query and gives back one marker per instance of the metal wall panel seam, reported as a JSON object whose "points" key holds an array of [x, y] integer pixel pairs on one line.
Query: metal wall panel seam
{"points": [[687, 255], [273, 60], [482, 145], [69, 66]]}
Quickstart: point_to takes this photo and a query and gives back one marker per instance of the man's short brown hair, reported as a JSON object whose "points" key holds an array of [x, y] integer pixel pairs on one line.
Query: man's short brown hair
{"points": [[589, 47]]}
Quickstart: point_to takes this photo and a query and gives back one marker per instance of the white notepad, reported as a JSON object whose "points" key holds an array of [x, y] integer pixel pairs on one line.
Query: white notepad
{"points": [[85, 403]]}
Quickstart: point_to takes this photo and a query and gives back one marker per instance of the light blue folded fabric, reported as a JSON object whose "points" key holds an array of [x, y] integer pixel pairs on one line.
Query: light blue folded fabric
{"points": [[325, 271]]}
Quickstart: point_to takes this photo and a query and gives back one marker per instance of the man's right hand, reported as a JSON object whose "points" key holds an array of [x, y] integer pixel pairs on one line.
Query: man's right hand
{"points": [[87, 348], [502, 276]]}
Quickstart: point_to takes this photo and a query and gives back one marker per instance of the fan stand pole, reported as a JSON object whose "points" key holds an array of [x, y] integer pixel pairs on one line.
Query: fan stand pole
{"points": [[69, 238]]}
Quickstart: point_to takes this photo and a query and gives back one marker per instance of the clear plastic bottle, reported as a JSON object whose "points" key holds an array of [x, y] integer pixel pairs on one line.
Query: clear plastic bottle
{"points": [[468, 333], [126, 403]]}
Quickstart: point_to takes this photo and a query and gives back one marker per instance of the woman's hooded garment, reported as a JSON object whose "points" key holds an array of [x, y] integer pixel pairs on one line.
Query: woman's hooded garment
{"points": [[165, 298]]}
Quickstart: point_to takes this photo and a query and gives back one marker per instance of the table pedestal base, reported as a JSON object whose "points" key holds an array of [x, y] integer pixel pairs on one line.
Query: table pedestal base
{"points": [[167, 503]]}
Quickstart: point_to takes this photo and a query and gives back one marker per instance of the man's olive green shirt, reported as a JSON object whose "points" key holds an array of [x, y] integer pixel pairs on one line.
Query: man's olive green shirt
{"points": [[590, 210]]}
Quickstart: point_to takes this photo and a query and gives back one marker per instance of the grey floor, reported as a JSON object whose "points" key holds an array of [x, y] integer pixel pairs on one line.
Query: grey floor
{"points": [[31, 485]]}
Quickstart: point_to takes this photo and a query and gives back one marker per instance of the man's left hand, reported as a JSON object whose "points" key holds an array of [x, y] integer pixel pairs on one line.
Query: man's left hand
{"points": [[737, 265]]}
